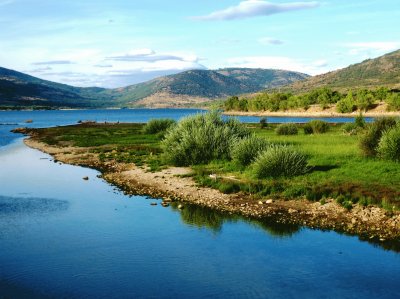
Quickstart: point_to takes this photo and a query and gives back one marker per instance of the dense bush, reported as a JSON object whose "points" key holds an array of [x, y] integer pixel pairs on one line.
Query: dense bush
{"points": [[247, 149], [158, 125], [279, 161], [389, 145], [308, 129], [319, 126], [263, 123], [393, 102], [351, 128], [286, 129], [201, 138], [370, 140], [347, 104]]}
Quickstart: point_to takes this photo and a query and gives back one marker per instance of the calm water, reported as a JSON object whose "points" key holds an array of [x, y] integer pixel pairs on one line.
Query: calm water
{"points": [[63, 237]]}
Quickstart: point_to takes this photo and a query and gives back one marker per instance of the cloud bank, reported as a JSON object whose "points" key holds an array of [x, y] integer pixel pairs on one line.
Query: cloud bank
{"points": [[254, 8]]}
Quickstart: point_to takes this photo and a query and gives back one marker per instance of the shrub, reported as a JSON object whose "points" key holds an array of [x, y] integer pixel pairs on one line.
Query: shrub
{"points": [[286, 129], [393, 102], [351, 129], [245, 150], [347, 104], [319, 126], [201, 138], [307, 129], [158, 125], [263, 123], [279, 161], [389, 145], [360, 121], [370, 140]]}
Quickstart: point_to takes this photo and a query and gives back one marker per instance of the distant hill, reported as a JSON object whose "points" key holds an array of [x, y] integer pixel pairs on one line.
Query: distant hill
{"points": [[381, 71], [184, 89], [196, 86], [21, 90]]}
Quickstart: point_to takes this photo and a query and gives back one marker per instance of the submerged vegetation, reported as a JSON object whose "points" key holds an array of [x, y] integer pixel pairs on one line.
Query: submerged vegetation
{"points": [[247, 158], [359, 99]]}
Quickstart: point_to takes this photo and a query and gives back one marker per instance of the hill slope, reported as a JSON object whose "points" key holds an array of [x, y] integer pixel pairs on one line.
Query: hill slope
{"points": [[381, 71], [200, 85], [186, 88], [19, 89]]}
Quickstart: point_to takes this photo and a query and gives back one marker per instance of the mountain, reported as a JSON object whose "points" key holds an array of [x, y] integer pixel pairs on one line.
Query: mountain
{"points": [[183, 89], [196, 86], [21, 90], [371, 73]]}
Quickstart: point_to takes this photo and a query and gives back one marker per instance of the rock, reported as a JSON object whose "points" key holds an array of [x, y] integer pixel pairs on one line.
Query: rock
{"points": [[269, 201], [153, 204], [292, 211], [164, 204], [168, 199], [86, 178], [353, 220], [260, 202], [180, 207], [29, 121]]}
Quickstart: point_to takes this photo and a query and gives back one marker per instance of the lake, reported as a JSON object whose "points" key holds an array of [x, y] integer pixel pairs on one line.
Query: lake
{"points": [[64, 237]]}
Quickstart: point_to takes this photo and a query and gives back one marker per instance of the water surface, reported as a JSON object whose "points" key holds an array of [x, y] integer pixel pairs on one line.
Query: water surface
{"points": [[64, 237]]}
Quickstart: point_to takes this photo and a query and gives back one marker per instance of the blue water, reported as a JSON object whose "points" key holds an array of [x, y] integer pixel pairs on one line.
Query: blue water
{"points": [[64, 237]]}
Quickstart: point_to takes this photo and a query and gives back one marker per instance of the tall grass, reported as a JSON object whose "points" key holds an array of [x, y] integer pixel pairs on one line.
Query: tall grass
{"points": [[155, 126], [316, 127], [245, 150], [389, 145], [286, 129], [370, 140], [280, 161], [201, 138]]}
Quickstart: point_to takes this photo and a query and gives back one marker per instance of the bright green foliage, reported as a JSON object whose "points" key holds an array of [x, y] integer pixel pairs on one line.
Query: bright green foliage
{"points": [[287, 129], [360, 121], [158, 125], [370, 140], [347, 104], [201, 138], [389, 145], [393, 102], [280, 161], [247, 149], [362, 99]]}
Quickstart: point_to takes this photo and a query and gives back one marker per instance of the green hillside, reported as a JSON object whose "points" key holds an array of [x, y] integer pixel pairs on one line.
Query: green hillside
{"points": [[371, 73]]}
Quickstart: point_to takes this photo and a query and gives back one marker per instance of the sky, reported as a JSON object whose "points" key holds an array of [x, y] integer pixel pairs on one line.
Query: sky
{"points": [[118, 43]]}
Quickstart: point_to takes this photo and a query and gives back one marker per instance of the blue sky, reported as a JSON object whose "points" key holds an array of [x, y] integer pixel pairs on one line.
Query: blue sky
{"points": [[117, 43]]}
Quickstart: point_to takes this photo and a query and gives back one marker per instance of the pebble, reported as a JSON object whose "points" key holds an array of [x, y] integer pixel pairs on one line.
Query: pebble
{"points": [[85, 178]]}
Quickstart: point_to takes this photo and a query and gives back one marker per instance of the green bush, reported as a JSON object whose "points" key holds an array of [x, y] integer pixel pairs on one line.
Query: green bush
{"points": [[389, 145], [158, 125], [318, 126], [245, 150], [370, 140], [201, 138], [351, 128], [308, 129], [286, 129], [347, 104], [278, 161], [263, 123], [393, 102]]}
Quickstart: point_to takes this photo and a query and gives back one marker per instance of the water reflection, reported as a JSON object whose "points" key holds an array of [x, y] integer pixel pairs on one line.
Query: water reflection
{"points": [[203, 217]]}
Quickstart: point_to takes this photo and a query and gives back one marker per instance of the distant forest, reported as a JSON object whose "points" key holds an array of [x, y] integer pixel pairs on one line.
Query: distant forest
{"points": [[358, 99]]}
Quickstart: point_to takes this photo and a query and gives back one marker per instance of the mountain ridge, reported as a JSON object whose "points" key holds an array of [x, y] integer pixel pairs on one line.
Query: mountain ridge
{"points": [[193, 86]]}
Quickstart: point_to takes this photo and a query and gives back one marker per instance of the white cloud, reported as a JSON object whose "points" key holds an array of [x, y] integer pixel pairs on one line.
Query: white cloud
{"points": [[270, 41], [279, 62], [53, 62], [377, 46], [365, 48], [254, 8]]}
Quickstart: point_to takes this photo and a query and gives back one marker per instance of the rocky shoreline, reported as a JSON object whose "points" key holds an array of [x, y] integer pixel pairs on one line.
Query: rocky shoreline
{"points": [[175, 184]]}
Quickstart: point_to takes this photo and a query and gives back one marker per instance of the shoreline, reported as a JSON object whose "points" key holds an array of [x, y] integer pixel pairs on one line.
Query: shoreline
{"points": [[307, 114], [173, 184]]}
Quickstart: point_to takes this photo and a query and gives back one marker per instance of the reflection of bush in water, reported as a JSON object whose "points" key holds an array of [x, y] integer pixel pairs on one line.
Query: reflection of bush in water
{"points": [[276, 229], [204, 217]]}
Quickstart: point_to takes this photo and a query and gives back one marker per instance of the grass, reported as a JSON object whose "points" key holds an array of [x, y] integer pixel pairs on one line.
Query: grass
{"points": [[337, 167]]}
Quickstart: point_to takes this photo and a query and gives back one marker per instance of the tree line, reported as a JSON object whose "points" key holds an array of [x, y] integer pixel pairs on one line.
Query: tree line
{"points": [[362, 99]]}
